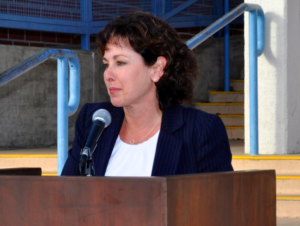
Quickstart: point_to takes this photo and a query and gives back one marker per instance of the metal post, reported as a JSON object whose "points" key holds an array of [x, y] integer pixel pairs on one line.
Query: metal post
{"points": [[158, 7], [86, 16], [62, 113], [169, 5], [253, 97], [85, 42], [226, 51], [218, 12]]}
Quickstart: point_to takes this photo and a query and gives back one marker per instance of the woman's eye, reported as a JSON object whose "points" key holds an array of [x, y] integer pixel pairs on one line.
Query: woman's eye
{"points": [[120, 63], [105, 65]]}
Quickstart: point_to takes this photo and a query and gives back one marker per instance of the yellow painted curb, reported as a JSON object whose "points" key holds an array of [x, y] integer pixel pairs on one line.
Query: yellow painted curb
{"points": [[234, 127], [49, 174], [237, 80], [288, 197], [224, 92], [28, 155], [225, 116], [247, 157], [217, 103], [288, 177]]}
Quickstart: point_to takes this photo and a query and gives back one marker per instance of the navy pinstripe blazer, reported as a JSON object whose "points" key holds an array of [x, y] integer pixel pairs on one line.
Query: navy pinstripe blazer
{"points": [[190, 141]]}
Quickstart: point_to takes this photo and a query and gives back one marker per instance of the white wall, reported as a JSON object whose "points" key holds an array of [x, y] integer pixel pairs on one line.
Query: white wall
{"points": [[278, 79]]}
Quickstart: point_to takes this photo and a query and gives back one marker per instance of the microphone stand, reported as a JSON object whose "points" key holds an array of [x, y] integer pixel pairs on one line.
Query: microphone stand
{"points": [[86, 164]]}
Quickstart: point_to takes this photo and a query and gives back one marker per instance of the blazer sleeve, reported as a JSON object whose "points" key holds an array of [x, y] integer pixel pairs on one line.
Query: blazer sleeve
{"points": [[213, 152], [71, 166]]}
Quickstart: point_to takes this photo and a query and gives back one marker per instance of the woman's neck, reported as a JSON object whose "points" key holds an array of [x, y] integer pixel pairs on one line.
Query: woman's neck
{"points": [[141, 122]]}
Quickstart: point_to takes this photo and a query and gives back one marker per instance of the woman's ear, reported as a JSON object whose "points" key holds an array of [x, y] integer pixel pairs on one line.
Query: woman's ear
{"points": [[159, 68]]}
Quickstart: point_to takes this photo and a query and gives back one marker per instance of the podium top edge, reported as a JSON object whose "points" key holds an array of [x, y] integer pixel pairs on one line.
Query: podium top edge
{"points": [[154, 178]]}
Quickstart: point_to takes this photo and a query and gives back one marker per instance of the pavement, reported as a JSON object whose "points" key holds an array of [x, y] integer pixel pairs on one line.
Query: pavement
{"points": [[288, 221]]}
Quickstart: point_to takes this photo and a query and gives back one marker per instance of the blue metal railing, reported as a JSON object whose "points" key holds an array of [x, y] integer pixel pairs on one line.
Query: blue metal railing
{"points": [[226, 51], [67, 102], [256, 48]]}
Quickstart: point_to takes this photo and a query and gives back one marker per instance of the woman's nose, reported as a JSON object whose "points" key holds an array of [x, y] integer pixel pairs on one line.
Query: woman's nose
{"points": [[109, 74]]}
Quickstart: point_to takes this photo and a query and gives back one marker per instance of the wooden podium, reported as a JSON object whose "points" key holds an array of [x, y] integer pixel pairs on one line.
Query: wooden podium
{"points": [[216, 199]]}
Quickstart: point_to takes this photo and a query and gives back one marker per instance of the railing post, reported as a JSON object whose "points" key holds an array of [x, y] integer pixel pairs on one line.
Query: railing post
{"points": [[158, 7], [62, 113], [218, 12], [168, 5], [86, 16], [253, 96], [226, 51]]}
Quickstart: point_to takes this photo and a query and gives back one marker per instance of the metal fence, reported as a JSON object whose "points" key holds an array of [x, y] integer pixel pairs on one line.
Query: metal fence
{"points": [[51, 9], [102, 10], [86, 17], [106, 10]]}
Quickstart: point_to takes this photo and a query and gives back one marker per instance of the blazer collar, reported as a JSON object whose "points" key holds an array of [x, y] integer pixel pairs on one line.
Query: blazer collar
{"points": [[168, 147], [172, 119]]}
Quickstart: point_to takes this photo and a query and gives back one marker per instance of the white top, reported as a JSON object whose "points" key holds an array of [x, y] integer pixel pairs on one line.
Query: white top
{"points": [[134, 160]]}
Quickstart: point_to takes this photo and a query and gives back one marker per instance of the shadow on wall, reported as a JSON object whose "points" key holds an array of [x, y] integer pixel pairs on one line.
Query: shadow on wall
{"points": [[29, 103]]}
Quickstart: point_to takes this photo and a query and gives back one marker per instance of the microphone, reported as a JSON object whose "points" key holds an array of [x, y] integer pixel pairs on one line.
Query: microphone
{"points": [[101, 119]]}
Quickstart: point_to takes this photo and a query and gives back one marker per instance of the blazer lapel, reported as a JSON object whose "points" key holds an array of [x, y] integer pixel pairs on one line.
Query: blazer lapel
{"points": [[169, 147], [107, 141]]}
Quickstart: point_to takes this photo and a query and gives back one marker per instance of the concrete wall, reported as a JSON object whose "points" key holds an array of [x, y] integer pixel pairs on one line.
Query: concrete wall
{"points": [[278, 79], [29, 103], [28, 110]]}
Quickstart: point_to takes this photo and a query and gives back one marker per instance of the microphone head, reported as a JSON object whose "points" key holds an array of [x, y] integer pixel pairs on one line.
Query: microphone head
{"points": [[102, 115]]}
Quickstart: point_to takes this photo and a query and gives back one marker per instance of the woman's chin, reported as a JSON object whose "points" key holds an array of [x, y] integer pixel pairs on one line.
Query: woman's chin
{"points": [[116, 103]]}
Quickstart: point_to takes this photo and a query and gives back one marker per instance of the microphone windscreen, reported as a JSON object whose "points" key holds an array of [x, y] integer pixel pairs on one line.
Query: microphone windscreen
{"points": [[102, 115]]}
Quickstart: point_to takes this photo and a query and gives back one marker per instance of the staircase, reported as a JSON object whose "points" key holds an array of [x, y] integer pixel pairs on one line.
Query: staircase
{"points": [[230, 108]]}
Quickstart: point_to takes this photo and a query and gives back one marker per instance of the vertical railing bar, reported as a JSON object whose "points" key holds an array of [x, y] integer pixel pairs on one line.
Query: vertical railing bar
{"points": [[62, 113], [253, 90], [86, 8], [226, 51], [158, 7]]}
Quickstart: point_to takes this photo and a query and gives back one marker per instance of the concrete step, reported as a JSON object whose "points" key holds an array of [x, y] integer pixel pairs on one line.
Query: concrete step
{"points": [[221, 108], [288, 221], [226, 97], [43, 158], [237, 85], [288, 206], [235, 132], [283, 164], [287, 185], [233, 120]]}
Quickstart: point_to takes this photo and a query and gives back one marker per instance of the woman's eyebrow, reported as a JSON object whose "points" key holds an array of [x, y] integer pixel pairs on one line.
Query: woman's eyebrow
{"points": [[115, 56]]}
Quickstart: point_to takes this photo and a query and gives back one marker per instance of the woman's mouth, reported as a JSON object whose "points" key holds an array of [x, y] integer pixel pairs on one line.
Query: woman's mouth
{"points": [[112, 90]]}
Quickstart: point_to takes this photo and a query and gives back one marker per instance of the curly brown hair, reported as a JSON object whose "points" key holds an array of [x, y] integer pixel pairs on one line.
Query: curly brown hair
{"points": [[152, 37]]}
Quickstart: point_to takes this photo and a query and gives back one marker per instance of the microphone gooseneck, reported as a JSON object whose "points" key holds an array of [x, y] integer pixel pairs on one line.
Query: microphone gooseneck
{"points": [[101, 119]]}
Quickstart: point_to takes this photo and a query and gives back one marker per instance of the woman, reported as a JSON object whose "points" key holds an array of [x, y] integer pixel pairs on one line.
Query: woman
{"points": [[149, 72]]}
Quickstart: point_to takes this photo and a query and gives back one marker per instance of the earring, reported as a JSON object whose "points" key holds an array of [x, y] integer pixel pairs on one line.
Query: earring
{"points": [[154, 80]]}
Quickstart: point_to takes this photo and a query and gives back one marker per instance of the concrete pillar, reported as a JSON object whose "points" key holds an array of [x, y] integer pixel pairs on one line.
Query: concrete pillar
{"points": [[278, 79]]}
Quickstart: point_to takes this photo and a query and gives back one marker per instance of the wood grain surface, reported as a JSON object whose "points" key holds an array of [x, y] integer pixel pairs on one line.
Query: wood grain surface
{"points": [[234, 198]]}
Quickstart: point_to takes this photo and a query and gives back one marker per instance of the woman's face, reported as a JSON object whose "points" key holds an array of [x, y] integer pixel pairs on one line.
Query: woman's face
{"points": [[128, 80]]}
